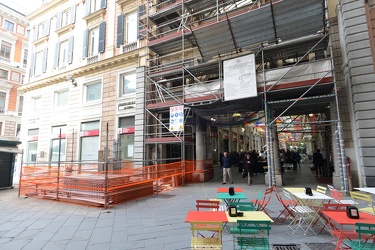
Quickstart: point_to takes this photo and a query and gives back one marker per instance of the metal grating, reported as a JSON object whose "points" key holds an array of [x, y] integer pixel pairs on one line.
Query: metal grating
{"points": [[286, 247], [321, 246]]}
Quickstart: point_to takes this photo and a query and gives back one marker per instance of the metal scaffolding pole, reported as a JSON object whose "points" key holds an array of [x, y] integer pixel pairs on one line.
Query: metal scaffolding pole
{"points": [[342, 161], [270, 164]]}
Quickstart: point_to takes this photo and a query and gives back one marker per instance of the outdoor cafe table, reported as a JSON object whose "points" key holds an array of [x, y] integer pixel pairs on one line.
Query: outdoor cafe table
{"points": [[314, 202], [338, 219], [250, 216], [206, 216], [226, 190], [231, 198], [367, 190]]}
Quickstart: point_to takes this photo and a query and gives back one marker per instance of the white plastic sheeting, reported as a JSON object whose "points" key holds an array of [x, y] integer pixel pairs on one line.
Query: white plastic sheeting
{"points": [[204, 89], [301, 72]]}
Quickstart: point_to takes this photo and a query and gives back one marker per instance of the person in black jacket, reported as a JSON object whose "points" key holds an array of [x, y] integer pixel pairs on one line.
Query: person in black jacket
{"points": [[248, 166], [318, 163], [226, 164]]}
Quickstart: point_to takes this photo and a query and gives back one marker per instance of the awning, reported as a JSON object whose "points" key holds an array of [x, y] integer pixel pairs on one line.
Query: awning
{"points": [[13, 150]]}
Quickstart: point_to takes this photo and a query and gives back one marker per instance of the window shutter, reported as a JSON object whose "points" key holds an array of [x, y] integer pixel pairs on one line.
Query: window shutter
{"points": [[46, 27], [70, 49], [57, 53], [120, 30], [101, 46], [33, 62], [103, 4], [141, 10], [73, 12], [85, 43], [44, 65], [58, 20], [36, 31], [87, 7]]}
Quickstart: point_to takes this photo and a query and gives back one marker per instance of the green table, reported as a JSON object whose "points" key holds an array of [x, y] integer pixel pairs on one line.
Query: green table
{"points": [[231, 198]]}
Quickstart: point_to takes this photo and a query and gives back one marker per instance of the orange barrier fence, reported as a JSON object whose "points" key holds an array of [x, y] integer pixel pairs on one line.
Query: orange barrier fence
{"points": [[88, 183]]}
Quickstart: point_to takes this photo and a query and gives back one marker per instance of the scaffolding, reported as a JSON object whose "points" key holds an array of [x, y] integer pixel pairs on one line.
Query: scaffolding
{"points": [[188, 40]]}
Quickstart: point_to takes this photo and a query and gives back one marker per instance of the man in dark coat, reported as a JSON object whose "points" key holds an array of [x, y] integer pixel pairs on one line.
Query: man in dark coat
{"points": [[318, 163], [226, 164]]}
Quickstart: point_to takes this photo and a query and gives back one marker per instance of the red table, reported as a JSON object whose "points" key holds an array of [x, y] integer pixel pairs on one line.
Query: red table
{"points": [[226, 190], [338, 219], [206, 216]]}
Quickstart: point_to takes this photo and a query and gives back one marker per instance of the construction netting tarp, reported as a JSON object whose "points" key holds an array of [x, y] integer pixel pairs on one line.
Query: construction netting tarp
{"points": [[301, 72], [93, 184]]}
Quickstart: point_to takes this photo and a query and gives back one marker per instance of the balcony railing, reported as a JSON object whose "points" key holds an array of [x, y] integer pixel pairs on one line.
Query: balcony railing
{"points": [[129, 47], [92, 59], [5, 60]]}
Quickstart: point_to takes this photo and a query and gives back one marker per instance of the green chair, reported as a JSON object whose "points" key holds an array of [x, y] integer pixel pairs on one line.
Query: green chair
{"points": [[365, 232], [259, 239], [243, 205]]}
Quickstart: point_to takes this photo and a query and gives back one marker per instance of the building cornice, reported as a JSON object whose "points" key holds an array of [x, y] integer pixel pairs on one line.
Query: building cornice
{"points": [[45, 8], [98, 67], [13, 15]]}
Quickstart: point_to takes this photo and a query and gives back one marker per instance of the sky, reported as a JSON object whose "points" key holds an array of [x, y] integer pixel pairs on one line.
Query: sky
{"points": [[23, 6]]}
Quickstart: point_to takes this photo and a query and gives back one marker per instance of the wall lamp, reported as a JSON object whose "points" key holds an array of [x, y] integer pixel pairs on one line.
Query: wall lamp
{"points": [[71, 79]]}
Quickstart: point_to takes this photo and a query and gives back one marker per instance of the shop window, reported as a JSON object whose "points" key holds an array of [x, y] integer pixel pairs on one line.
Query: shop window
{"points": [[32, 145], [55, 144], [126, 136], [89, 141]]}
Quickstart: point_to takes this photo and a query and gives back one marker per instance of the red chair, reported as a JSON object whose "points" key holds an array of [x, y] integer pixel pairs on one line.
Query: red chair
{"points": [[337, 196], [262, 203], [207, 205], [287, 204]]}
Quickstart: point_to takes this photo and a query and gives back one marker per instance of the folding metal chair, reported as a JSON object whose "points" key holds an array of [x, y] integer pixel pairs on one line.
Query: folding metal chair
{"points": [[202, 236], [207, 205], [303, 215], [337, 196], [262, 203], [287, 205], [364, 197], [257, 239], [365, 231], [321, 189], [243, 205]]}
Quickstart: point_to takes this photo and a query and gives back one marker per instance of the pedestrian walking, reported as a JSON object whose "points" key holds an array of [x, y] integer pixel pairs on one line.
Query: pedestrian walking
{"points": [[226, 164]]}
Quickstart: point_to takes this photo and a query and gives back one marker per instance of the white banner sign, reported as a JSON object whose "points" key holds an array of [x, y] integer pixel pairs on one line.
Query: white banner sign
{"points": [[176, 118], [240, 78]]}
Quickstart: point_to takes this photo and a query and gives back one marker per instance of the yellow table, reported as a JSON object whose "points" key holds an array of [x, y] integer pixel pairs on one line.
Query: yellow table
{"points": [[250, 215]]}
